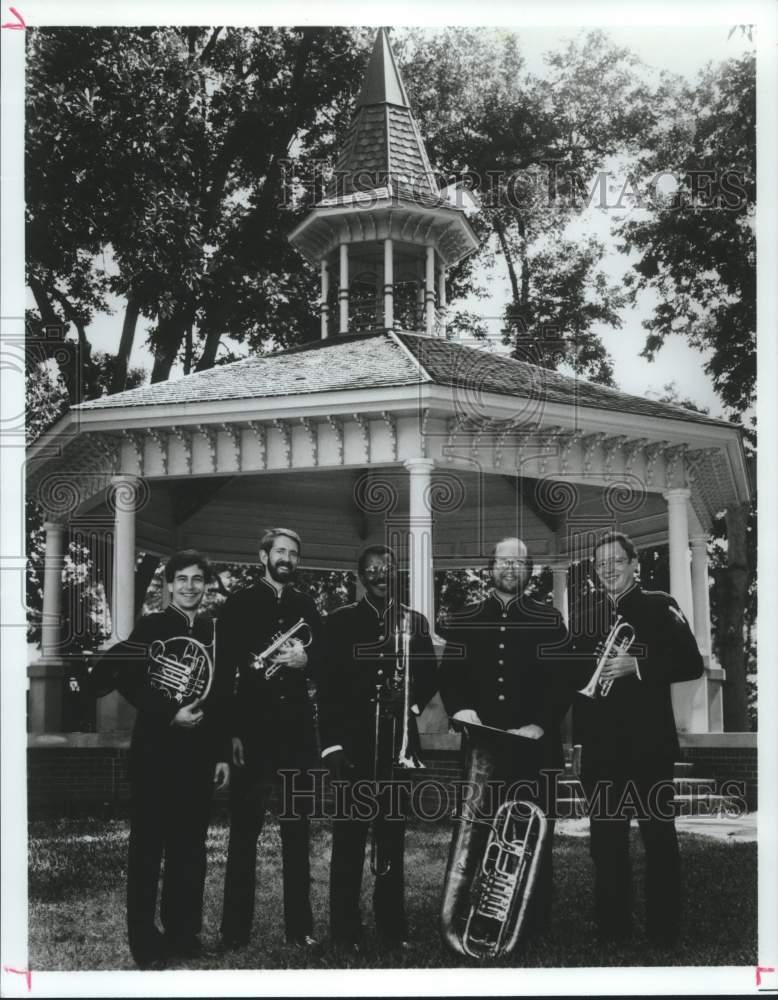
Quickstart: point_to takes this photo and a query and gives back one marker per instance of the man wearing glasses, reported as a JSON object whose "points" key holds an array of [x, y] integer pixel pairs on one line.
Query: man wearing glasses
{"points": [[502, 668], [363, 660], [630, 743]]}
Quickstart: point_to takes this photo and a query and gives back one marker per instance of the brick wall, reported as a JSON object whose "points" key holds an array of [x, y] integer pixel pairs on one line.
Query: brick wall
{"points": [[81, 773]]}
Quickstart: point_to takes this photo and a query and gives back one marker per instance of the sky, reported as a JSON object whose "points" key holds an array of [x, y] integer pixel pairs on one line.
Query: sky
{"points": [[678, 49]]}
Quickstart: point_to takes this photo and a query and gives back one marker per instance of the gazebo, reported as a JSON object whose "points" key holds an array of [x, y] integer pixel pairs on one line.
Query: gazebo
{"points": [[384, 430]]}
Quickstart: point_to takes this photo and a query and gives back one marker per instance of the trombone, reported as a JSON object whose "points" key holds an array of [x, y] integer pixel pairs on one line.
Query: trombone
{"points": [[617, 643], [406, 757]]}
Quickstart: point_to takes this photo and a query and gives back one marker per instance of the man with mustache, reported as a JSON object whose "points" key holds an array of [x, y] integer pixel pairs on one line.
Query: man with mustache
{"points": [[502, 668], [272, 730]]}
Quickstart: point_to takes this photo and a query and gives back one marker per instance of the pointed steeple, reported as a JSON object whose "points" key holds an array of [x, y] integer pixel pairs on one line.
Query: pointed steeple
{"points": [[382, 83], [383, 144]]}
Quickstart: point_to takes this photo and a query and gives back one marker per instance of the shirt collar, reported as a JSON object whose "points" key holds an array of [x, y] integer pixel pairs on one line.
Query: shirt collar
{"points": [[634, 586], [277, 594], [378, 614], [180, 614], [505, 605]]}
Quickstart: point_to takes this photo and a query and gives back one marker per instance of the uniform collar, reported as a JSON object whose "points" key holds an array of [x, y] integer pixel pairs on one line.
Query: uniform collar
{"points": [[633, 588], [276, 593], [505, 605], [379, 614], [178, 613]]}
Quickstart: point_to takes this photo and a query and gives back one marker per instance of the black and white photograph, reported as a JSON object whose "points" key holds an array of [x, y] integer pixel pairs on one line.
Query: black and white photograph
{"points": [[381, 410]]}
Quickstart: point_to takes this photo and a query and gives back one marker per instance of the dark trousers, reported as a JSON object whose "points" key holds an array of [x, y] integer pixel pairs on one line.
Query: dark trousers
{"points": [[646, 795], [170, 808], [250, 790], [349, 838]]}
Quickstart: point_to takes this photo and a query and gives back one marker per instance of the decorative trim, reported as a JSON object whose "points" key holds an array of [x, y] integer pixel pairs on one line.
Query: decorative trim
{"points": [[337, 425], [634, 448], [566, 442], [423, 439], [282, 426], [136, 442], [234, 434], [652, 453], [313, 437], [210, 434], [160, 439], [590, 442], [610, 446], [259, 431], [185, 437], [363, 423], [391, 422]]}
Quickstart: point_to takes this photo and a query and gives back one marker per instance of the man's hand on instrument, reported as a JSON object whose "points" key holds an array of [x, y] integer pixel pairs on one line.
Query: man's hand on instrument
{"points": [[292, 654], [530, 731], [188, 716], [221, 775], [467, 715], [237, 752], [619, 666]]}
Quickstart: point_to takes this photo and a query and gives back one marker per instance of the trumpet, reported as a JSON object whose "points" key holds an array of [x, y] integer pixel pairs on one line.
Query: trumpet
{"points": [[259, 661], [181, 668], [617, 643]]}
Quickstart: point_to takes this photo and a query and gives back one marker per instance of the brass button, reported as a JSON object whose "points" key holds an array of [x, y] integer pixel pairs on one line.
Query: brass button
{"points": [[501, 663], [380, 673], [501, 645], [502, 628], [505, 614], [381, 655], [500, 697], [500, 680]]}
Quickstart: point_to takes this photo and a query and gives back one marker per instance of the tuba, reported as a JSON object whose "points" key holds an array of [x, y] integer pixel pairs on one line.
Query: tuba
{"points": [[181, 668], [493, 865], [617, 642]]}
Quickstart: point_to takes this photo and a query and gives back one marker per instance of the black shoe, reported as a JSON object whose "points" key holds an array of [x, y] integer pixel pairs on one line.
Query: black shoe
{"points": [[188, 946], [151, 953]]}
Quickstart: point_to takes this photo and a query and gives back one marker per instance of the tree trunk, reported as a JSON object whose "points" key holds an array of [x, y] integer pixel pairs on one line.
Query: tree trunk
{"points": [[211, 346], [731, 616], [131, 313], [144, 574], [169, 337]]}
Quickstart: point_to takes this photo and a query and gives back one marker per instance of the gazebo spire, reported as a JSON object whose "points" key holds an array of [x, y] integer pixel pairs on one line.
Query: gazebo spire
{"points": [[384, 235], [382, 83]]}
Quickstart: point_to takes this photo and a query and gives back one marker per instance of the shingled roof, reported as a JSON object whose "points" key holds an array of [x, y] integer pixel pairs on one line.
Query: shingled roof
{"points": [[382, 360], [383, 144]]}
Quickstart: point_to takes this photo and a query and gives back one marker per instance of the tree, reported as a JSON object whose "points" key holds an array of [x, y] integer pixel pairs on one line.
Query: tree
{"points": [[697, 250], [531, 145]]}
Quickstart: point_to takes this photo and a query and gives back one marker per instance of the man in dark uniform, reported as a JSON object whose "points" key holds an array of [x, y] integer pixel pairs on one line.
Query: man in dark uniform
{"points": [[359, 664], [502, 668], [630, 743], [273, 730], [177, 754]]}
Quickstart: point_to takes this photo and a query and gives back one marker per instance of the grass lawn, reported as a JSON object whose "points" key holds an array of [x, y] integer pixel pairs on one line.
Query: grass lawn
{"points": [[77, 870]]}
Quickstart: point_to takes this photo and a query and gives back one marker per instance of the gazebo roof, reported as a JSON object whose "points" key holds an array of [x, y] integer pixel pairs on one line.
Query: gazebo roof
{"points": [[387, 359]]}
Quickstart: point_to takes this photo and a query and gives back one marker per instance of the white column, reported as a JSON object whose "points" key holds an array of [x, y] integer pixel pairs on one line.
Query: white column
{"points": [[123, 592], [51, 619], [690, 698], [343, 291], [678, 537], [324, 307], [700, 594], [442, 296], [422, 589], [429, 291], [388, 285], [559, 573]]}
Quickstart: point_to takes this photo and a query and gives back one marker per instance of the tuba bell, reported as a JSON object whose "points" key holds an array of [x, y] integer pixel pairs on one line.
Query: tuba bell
{"points": [[493, 865], [181, 668]]}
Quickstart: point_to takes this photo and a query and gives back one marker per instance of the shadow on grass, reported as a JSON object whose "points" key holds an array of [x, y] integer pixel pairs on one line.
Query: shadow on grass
{"points": [[77, 891]]}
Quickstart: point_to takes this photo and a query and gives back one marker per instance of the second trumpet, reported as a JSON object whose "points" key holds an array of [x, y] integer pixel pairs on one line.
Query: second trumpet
{"points": [[617, 643], [262, 661]]}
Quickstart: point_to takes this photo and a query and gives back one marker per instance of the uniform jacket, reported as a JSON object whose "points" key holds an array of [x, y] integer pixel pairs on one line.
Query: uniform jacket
{"points": [[504, 661], [268, 713], [124, 667], [635, 721], [359, 653]]}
